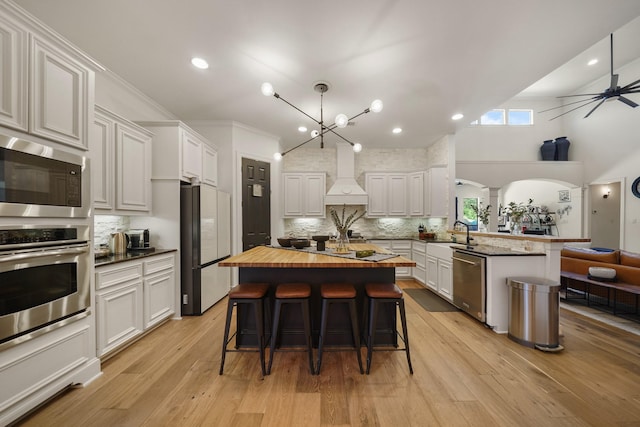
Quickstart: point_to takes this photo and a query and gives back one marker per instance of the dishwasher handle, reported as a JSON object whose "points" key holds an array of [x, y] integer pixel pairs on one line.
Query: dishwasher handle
{"points": [[464, 260]]}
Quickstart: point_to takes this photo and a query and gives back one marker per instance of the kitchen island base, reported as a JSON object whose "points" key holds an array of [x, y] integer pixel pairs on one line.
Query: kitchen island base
{"points": [[338, 325]]}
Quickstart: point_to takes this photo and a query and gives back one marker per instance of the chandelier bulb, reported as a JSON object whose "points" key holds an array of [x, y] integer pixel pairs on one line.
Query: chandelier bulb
{"points": [[342, 120], [267, 89], [277, 156], [314, 133], [376, 106], [357, 147]]}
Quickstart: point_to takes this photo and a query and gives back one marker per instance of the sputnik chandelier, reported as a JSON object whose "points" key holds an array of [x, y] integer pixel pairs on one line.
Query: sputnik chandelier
{"points": [[341, 120]]}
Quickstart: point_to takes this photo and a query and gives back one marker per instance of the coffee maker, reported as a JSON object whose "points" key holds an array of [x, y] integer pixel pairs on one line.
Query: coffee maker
{"points": [[138, 239]]}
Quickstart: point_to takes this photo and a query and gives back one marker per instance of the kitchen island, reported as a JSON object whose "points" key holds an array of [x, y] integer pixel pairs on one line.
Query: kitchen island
{"points": [[275, 265]]}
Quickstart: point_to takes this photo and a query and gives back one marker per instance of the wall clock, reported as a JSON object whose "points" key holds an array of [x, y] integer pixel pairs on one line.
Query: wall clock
{"points": [[635, 187]]}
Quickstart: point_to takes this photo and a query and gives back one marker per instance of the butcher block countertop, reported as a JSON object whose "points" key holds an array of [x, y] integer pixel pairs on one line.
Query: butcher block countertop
{"points": [[272, 257]]}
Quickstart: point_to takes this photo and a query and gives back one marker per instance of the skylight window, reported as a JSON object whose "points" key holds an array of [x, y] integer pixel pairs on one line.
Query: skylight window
{"points": [[520, 117], [492, 118]]}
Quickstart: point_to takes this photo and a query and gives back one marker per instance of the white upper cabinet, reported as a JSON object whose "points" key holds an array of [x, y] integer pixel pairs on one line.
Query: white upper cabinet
{"points": [[416, 194], [46, 85], [13, 69], [304, 194], [436, 192], [191, 155], [133, 165], [209, 165], [103, 151], [181, 153], [387, 194], [60, 95], [121, 164]]}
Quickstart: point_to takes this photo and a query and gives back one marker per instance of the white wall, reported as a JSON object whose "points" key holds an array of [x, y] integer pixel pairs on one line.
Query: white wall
{"points": [[520, 143], [607, 142]]}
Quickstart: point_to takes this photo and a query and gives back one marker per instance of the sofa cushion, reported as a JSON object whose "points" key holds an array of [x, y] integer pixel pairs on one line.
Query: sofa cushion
{"points": [[591, 255], [630, 258]]}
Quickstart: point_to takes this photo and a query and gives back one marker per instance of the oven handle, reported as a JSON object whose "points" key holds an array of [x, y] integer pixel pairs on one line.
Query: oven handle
{"points": [[464, 260], [72, 250]]}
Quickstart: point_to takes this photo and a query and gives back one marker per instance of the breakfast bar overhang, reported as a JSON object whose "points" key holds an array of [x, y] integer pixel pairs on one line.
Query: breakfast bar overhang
{"points": [[264, 264]]}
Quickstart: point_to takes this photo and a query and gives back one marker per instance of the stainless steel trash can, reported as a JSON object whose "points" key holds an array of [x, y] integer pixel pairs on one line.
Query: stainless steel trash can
{"points": [[534, 312]]}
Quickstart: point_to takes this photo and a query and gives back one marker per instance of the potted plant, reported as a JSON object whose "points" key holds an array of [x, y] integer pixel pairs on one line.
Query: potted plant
{"points": [[515, 212]]}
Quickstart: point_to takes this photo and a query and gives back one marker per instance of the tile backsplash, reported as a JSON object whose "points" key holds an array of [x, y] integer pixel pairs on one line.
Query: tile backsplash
{"points": [[369, 228], [104, 225]]}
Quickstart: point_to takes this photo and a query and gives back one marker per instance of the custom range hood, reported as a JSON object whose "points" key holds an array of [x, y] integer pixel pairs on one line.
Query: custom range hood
{"points": [[345, 191]]}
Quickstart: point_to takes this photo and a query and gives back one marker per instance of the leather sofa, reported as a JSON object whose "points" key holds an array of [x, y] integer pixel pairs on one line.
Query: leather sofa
{"points": [[626, 264]]}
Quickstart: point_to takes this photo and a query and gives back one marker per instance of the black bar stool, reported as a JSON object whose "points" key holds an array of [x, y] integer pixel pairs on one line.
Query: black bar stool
{"points": [[383, 293], [292, 293], [339, 293], [253, 294]]}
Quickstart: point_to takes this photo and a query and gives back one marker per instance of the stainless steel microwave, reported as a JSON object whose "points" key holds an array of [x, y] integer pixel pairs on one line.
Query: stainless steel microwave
{"points": [[40, 181]]}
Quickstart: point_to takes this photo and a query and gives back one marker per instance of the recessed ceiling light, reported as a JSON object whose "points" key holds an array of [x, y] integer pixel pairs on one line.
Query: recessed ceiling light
{"points": [[592, 62], [457, 116], [302, 129], [200, 63], [397, 130]]}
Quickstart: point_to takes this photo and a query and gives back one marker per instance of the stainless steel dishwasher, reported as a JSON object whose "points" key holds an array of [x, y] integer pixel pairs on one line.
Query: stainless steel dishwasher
{"points": [[469, 284]]}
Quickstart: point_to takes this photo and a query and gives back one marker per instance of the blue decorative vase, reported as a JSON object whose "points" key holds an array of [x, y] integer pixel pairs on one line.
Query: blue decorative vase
{"points": [[548, 150], [562, 148]]}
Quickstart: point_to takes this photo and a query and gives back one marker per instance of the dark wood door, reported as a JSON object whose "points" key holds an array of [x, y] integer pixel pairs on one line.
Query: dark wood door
{"points": [[256, 203]]}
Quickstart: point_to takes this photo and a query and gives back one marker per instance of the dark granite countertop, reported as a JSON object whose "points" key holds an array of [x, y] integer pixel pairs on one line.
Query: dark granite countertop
{"points": [[113, 259], [409, 238], [494, 251]]}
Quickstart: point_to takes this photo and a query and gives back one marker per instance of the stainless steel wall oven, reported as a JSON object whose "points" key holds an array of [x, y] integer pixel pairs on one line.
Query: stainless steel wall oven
{"points": [[44, 279], [40, 181]]}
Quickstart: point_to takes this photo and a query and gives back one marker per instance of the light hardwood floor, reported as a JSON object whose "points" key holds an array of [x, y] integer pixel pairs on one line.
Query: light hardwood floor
{"points": [[465, 375]]}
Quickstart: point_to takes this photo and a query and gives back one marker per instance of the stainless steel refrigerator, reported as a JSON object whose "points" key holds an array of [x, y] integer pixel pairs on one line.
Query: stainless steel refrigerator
{"points": [[205, 223]]}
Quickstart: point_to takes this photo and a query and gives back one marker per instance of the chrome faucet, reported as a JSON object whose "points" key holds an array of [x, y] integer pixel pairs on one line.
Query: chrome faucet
{"points": [[469, 238]]}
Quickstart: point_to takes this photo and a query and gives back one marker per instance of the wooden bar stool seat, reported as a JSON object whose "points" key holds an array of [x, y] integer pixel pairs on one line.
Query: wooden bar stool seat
{"points": [[385, 293], [292, 293], [253, 294], [339, 293]]}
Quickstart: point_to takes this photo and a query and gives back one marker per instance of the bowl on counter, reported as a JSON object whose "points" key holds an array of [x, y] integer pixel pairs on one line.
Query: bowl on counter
{"points": [[300, 243], [320, 238], [285, 242]]}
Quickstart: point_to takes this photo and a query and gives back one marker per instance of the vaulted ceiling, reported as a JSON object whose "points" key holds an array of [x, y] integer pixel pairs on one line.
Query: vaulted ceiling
{"points": [[426, 59]]}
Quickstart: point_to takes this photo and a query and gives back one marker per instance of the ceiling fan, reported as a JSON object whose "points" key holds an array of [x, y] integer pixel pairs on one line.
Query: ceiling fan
{"points": [[611, 93]]}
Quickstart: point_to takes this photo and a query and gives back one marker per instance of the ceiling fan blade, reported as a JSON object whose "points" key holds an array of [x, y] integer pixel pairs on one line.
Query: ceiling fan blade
{"points": [[564, 105], [630, 85], [579, 106], [614, 82], [594, 108], [581, 94], [627, 101]]}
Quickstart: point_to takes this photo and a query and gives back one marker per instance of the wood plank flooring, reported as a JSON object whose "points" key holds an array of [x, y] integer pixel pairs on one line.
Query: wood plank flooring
{"points": [[465, 375]]}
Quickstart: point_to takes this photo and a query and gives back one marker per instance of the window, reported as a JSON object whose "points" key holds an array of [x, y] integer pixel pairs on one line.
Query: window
{"points": [[520, 117], [493, 117], [510, 117]]}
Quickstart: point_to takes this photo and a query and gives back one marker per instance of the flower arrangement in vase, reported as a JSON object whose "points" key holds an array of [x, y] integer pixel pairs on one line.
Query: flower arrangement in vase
{"points": [[342, 226], [482, 214], [515, 212]]}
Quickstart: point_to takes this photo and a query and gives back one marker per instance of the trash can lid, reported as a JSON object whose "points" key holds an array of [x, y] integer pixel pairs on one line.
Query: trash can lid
{"points": [[533, 284]]}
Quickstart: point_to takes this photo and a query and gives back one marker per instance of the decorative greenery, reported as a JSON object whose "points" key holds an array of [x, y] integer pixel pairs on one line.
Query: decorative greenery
{"points": [[515, 211], [343, 224], [482, 213]]}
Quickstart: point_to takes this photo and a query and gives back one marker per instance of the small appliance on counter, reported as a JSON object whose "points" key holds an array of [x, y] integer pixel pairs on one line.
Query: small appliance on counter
{"points": [[138, 240]]}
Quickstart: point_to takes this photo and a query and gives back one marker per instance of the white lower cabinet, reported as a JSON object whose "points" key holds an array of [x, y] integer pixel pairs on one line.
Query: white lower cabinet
{"points": [[132, 297], [439, 271], [400, 247], [159, 289], [419, 255]]}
